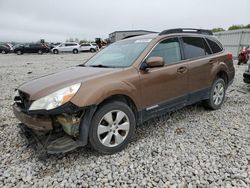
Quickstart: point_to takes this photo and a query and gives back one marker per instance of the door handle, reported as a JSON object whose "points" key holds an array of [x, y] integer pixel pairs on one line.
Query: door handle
{"points": [[181, 69]]}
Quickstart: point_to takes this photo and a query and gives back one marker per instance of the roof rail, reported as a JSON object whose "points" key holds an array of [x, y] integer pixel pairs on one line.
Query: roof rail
{"points": [[186, 30]]}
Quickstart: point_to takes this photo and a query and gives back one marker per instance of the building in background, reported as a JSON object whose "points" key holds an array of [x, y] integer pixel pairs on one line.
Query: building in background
{"points": [[119, 35], [234, 40]]}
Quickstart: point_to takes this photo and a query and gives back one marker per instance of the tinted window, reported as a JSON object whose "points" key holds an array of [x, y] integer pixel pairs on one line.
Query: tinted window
{"points": [[214, 46], [168, 49], [193, 47], [207, 49], [70, 44]]}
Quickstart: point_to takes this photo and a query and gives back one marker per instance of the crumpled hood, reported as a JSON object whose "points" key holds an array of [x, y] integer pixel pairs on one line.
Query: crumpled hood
{"points": [[46, 85]]}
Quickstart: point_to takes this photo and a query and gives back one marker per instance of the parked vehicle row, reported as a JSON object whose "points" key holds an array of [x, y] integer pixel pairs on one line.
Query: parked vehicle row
{"points": [[74, 48], [41, 48]]}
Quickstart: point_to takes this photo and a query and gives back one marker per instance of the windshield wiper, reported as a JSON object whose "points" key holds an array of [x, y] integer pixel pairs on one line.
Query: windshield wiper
{"points": [[100, 65], [81, 65]]}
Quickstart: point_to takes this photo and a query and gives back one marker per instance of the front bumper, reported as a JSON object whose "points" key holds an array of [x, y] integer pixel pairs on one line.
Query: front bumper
{"points": [[50, 143], [246, 77], [43, 132], [38, 123]]}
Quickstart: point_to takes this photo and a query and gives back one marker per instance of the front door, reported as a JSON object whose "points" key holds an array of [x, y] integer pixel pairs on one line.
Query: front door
{"points": [[165, 88]]}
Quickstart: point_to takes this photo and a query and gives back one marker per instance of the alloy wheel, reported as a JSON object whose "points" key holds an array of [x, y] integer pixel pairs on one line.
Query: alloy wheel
{"points": [[218, 93], [113, 128]]}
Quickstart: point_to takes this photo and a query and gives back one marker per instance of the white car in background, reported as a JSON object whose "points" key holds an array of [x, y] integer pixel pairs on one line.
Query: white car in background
{"points": [[88, 47], [67, 47]]}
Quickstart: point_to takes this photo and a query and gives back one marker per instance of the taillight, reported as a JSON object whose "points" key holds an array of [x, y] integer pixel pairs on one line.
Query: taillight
{"points": [[230, 56]]}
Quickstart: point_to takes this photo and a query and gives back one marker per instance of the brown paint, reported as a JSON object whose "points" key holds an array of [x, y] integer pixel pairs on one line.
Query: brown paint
{"points": [[145, 88]]}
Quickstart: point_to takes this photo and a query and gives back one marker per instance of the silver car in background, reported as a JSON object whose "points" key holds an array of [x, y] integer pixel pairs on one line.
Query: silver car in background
{"points": [[67, 47]]}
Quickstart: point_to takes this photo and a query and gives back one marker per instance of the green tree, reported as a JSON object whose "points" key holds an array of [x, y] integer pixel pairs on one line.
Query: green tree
{"points": [[219, 29], [247, 26], [235, 27]]}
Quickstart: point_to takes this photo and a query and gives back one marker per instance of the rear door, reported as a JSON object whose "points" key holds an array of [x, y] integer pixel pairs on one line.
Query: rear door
{"points": [[165, 88], [197, 54]]}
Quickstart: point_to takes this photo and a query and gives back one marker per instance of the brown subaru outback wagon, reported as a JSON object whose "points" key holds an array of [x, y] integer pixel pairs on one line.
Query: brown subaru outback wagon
{"points": [[101, 102]]}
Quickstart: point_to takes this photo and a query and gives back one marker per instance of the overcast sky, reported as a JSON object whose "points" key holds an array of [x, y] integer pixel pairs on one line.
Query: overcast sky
{"points": [[57, 20]]}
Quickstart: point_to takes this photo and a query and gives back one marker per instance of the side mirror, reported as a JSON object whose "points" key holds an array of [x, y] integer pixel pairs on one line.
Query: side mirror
{"points": [[153, 62]]}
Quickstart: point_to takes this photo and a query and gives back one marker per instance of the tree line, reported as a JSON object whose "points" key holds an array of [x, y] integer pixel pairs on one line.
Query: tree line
{"points": [[233, 27]]}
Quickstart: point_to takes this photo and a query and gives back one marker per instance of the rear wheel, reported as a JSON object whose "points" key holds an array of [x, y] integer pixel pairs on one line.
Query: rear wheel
{"points": [[40, 52], [92, 50], [3, 52], [112, 127], [75, 51], [217, 95]]}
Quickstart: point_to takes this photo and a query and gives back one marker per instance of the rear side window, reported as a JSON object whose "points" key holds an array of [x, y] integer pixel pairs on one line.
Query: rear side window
{"points": [[169, 50], [214, 46], [193, 47]]}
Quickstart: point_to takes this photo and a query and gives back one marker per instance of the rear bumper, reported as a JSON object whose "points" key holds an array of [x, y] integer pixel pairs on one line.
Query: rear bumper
{"points": [[246, 77]]}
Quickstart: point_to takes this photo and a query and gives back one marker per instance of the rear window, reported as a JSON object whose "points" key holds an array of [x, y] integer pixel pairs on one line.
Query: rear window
{"points": [[214, 46], [193, 47]]}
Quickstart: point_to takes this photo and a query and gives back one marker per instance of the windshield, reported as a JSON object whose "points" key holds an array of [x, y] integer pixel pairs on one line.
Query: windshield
{"points": [[119, 54]]}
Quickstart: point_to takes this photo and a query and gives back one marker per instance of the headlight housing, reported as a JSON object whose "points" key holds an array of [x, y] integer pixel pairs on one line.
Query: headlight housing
{"points": [[55, 99]]}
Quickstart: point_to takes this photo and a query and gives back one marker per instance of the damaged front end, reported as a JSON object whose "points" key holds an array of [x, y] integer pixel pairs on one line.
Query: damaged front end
{"points": [[55, 131]]}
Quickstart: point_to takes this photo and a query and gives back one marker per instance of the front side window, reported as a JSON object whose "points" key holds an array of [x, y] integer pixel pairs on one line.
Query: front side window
{"points": [[193, 47], [169, 50]]}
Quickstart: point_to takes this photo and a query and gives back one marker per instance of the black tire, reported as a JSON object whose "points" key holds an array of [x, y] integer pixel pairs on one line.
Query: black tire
{"points": [[92, 50], [99, 115], [19, 52], [40, 52], [55, 51], [3, 52], [75, 51], [211, 103]]}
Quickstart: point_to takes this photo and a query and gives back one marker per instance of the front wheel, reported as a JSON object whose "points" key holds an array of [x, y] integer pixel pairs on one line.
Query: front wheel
{"points": [[112, 127], [217, 95], [19, 52], [3, 52], [55, 51]]}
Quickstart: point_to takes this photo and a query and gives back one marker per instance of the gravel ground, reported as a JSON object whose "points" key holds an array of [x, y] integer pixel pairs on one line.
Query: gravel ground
{"points": [[191, 147]]}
